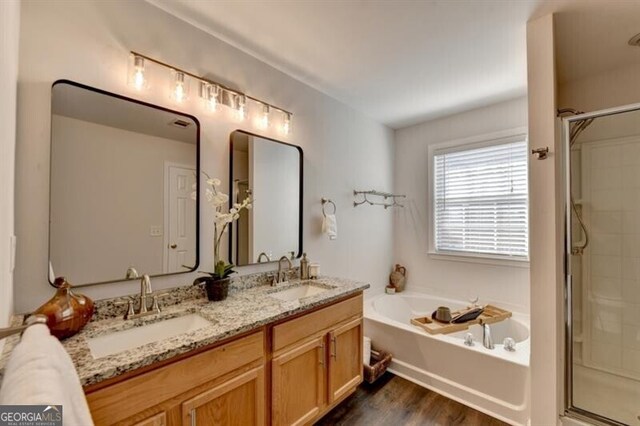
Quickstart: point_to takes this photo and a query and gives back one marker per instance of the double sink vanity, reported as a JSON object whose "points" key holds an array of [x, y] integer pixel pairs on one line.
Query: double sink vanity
{"points": [[267, 354]]}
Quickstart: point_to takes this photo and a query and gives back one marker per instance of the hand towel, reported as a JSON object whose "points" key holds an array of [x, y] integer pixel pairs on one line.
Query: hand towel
{"points": [[330, 226], [41, 372]]}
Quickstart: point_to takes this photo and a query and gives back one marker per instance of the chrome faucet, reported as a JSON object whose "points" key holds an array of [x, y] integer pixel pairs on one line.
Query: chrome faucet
{"points": [[282, 275], [261, 255], [145, 292], [487, 341]]}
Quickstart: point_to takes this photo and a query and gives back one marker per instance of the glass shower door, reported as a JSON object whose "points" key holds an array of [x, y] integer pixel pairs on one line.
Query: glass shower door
{"points": [[603, 256]]}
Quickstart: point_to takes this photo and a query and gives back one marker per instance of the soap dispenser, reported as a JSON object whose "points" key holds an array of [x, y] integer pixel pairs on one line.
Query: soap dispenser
{"points": [[304, 267]]}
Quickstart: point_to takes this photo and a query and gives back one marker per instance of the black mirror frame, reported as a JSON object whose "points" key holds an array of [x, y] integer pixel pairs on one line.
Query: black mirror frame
{"points": [[198, 173], [301, 198]]}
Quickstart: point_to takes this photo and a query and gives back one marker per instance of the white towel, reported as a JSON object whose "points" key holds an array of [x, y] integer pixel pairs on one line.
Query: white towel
{"points": [[330, 226], [41, 372], [366, 351]]}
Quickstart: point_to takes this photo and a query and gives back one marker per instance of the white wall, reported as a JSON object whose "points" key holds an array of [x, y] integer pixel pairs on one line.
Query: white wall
{"points": [[89, 42], [102, 174], [491, 282], [9, 33], [614, 88], [545, 227]]}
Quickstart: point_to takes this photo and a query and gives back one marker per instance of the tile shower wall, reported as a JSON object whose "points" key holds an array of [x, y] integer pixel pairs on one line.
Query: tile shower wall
{"points": [[611, 264]]}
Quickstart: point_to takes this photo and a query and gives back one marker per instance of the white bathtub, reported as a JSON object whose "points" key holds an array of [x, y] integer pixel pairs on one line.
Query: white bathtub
{"points": [[495, 381]]}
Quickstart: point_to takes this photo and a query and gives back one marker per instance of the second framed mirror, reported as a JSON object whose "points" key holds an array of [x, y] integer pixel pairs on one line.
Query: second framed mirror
{"points": [[270, 172]]}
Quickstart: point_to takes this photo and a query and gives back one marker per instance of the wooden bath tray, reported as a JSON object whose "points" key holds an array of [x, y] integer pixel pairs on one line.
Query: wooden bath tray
{"points": [[490, 315]]}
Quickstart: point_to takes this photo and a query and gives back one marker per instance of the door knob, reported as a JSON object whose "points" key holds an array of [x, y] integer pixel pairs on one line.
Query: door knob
{"points": [[173, 246]]}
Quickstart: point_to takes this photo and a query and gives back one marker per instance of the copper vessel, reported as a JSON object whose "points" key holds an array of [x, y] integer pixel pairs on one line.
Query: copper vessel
{"points": [[66, 311]]}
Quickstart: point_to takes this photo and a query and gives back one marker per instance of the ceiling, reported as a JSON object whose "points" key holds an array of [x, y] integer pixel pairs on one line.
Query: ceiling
{"points": [[406, 61]]}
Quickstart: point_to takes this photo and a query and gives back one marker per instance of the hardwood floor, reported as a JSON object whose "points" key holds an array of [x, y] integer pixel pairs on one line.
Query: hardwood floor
{"points": [[395, 401]]}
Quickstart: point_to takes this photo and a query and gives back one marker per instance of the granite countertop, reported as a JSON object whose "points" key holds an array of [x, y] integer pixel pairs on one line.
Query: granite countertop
{"points": [[247, 307]]}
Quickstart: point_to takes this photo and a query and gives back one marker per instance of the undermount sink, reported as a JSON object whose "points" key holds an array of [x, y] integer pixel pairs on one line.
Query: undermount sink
{"points": [[298, 292], [119, 341]]}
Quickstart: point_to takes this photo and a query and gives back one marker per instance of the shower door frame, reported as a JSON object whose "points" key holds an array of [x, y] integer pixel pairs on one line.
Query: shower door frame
{"points": [[570, 409]]}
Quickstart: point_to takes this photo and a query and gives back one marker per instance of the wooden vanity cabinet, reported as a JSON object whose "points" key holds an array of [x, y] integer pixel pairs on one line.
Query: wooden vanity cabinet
{"points": [[298, 383], [290, 373], [317, 362], [224, 382], [345, 359]]}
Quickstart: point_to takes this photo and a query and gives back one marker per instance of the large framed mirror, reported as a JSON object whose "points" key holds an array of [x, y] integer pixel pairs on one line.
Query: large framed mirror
{"points": [[270, 172], [123, 188]]}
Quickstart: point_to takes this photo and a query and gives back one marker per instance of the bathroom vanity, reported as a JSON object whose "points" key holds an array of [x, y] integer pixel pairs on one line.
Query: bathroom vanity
{"points": [[279, 362]]}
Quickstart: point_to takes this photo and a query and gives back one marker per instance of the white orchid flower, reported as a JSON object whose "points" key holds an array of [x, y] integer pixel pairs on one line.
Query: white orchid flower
{"points": [[213, 182]]}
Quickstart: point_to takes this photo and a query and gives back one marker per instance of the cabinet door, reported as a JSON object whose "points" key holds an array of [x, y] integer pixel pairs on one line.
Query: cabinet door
{"points": [[345, 359], [159, 419], [298, 380], [237, 401]]}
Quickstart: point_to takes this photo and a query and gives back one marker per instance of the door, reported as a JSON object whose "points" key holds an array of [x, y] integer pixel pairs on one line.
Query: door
{"points": [[237, 401], [299, 383], [345, 359], [180, 219], [159, 419]]}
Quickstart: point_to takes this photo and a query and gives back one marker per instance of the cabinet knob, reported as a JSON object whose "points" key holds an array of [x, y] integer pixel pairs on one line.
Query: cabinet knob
{"points": [[173, 246]]}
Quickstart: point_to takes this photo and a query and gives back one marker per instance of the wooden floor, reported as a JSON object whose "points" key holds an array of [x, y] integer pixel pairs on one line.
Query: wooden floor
{"points": [[395, 401]]}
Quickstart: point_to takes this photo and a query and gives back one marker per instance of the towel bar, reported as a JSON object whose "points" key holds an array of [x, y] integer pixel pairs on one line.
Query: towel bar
{"points": [[33, 319]]}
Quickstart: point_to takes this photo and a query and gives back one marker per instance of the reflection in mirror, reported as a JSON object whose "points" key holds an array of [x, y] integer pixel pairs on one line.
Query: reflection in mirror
{"points": [[271, 173], [122, 174]]}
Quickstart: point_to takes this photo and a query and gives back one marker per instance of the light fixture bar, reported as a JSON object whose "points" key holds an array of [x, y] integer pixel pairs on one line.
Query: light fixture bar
{"points": [[215, 83]]}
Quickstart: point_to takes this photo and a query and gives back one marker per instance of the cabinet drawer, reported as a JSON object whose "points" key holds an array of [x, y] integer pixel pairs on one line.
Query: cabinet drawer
{"points": [[124, 399], [307, 325]]}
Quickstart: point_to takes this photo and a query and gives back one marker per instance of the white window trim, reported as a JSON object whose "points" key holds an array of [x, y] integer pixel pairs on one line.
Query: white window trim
{"points": [[478, 141]]}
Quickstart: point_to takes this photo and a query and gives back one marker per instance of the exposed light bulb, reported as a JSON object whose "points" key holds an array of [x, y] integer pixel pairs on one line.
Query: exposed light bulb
{"points": [[180, 92], [137, 77], [286, 124], [241, 107], [213, 97], [264, 119]]}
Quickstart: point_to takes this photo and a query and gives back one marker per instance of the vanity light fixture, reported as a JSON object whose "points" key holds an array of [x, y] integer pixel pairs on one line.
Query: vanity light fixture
{"points": [[212, 93], [137, 78], [241, 107], [286, 123], [213, 97], [180, 86], [209, 95], [264, 118]]}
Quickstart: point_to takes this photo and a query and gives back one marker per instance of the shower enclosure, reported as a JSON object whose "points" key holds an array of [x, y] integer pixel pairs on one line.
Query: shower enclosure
{"points": [[602, 152]]}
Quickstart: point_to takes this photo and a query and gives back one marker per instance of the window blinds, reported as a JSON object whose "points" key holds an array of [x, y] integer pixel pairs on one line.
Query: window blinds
{"points": [[481, 200]]}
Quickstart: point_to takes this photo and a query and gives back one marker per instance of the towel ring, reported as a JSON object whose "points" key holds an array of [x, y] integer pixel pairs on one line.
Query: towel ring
{"points": [[326, 201]]}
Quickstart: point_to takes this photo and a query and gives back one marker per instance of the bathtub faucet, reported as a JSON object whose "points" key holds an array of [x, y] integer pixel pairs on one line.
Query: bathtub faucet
{"points": [[487, 341]]}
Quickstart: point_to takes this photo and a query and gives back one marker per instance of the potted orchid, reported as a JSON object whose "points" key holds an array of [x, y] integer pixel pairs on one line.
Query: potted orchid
{"points": [[217, 282]]}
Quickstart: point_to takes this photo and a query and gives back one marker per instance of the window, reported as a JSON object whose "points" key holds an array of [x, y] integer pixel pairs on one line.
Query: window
{"points": [[480, 199]]}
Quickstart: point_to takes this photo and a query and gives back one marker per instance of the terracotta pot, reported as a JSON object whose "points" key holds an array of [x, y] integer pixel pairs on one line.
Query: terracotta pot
{"points": [[66, 311], [398, 278]]}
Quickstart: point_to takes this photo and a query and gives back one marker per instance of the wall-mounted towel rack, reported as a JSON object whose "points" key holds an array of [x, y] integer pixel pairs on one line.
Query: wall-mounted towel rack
{"points": [[386, 195], [325, 202], [33, 319]]}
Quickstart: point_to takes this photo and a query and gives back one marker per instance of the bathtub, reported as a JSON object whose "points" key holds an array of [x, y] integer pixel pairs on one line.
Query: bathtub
{"points": [[495, 382]]}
